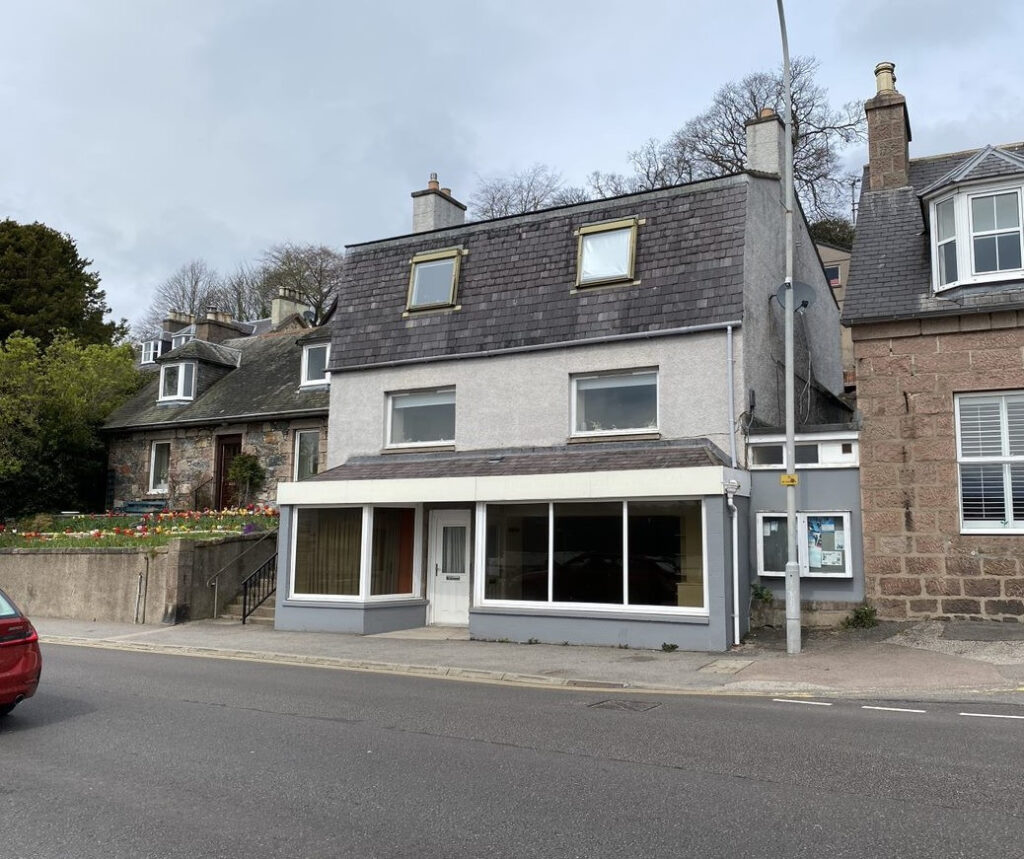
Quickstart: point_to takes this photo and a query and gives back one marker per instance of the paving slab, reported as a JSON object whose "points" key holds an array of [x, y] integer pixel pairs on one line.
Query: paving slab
{"points": [[894, 660]]}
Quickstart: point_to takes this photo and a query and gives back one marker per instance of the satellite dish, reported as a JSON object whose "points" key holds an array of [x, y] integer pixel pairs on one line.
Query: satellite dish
{"points": [[803, 296]]}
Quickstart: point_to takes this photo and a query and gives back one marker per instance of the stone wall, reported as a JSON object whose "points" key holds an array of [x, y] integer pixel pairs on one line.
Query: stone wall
{"points": [[165, 584], [193, 460], [917, 564]]}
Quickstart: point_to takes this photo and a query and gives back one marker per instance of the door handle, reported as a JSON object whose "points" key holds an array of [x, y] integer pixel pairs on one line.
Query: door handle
{"points": [[437, 569]]}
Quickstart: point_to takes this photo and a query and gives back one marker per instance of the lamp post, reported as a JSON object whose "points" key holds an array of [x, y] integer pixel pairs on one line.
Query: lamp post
{"points": [[789, 479]]}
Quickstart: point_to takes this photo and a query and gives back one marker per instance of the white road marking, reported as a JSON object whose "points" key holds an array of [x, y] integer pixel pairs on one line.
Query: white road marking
{"points": [[893, 709], [792, 701], [991, 716]]}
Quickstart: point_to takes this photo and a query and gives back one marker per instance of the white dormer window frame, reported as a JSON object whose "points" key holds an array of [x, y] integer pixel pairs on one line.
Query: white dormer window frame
{"points": [[177, 382], [181, 339], [150, 351], [311, 375], [960, 230]]}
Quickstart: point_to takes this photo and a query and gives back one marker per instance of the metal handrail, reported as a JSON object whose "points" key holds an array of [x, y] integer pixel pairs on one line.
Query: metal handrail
{"points": [[258, 586], [213, 582]]}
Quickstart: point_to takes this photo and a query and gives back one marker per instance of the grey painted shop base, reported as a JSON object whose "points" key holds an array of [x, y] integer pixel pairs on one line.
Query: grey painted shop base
{"points": [[357, 618], [647, 633]]}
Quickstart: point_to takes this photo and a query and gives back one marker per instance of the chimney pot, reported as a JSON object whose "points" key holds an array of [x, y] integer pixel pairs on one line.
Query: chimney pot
{"points": [[433, 185], [885, 77], [766, 112]]}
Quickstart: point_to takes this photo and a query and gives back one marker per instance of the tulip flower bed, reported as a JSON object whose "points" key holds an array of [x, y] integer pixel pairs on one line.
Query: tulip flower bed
{"points": [[147, 529]]}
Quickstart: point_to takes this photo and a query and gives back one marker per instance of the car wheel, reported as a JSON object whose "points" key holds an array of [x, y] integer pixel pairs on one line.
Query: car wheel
{"points": [[6, 708]]}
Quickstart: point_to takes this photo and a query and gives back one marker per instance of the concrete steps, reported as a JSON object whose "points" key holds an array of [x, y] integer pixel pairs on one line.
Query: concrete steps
{"points": [[263, 615]]}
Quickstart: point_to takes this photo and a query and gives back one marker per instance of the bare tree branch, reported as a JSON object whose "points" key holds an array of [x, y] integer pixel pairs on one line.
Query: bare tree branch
{"points": [[313, 272]]}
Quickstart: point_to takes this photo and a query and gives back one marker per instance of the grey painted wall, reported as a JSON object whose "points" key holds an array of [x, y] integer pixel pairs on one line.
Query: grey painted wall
{"points": [[522, 400], [819, 490], [816, 331]]}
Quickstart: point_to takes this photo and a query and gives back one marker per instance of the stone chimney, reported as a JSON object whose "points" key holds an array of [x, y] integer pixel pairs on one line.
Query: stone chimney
{"points": [[888, 133], [766, 142], [435, 207], [176, 320], [285, 304], [216, 326]]}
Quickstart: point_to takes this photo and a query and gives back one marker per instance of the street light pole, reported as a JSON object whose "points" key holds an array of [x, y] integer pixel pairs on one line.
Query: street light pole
{"points": [[792, 566]]}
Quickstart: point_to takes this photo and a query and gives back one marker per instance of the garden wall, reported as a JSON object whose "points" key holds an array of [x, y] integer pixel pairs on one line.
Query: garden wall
{"points": [[164, 584]]}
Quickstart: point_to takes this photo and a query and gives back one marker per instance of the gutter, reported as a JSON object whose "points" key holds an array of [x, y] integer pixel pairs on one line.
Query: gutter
{"points": [[218, 419], [542, 347]]}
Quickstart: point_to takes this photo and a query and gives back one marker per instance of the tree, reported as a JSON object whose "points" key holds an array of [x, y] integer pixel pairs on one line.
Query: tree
{"points": [[711, 144], [247, 292], [313, 272], [46, 287], [247, 475], [833, 231], [191, 289], [53, 401]]}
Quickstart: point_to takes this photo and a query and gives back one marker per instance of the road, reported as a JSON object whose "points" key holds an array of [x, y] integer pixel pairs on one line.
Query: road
{"points": [[143, 755]]}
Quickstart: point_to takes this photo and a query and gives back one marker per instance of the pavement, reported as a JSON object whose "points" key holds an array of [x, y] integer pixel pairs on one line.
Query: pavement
{"points": [[929, 660]]}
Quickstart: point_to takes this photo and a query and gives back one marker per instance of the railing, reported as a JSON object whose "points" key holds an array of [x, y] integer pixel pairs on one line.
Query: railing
{"points": [[213, 581], [258, 586]]}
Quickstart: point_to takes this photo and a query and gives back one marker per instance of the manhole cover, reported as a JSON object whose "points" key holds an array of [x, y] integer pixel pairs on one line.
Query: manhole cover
{"points": [[622, 704]]}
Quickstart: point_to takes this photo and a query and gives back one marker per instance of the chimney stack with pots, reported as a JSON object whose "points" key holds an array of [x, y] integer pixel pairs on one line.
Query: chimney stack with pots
{"points": [[285, 304], [435, 207], [888, 133]]}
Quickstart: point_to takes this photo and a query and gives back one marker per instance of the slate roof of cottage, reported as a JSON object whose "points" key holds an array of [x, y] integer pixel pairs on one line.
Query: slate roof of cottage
{"points": [[220, 354], [265, 384], [890, 270], [687, 453], [517, 282]]}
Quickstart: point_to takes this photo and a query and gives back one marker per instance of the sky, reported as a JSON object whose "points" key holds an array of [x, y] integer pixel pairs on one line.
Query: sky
{"points": [[159, 131]]}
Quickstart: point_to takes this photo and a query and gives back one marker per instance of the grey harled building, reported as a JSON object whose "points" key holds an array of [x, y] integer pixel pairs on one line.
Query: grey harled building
{"points": [[537, 422]]}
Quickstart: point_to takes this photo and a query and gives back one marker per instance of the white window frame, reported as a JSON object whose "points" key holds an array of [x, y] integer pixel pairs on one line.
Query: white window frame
{"points": [[803, 555], [1004, 459], [150, 352], [306, 382], [830, 451], [614, 374], [390, 409], [964, 236], [365, 558], [298, 441], [480, 563], [178, 340], [154, 487], [181, 394]]}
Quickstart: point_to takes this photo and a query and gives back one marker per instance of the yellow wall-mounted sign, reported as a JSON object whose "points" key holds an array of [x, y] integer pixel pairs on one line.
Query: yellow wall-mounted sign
{"points": [[788, 479]]}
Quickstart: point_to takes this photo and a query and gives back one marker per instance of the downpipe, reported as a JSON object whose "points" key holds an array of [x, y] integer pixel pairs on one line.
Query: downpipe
{"points": [[730, 495]]}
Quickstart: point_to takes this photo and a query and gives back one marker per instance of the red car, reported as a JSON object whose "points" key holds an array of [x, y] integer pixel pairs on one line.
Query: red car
{"points": [[20, 660]]}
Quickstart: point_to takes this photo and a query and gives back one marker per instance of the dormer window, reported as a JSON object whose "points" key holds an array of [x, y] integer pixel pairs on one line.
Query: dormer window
{"points": [[434, 279], [181, 339], [177, 381], [977, 237], [314, 364], [607, 252], [150, 351]]}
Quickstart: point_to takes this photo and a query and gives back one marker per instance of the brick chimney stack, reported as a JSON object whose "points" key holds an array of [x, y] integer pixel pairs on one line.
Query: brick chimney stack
{"points": [[888, 133], [435, 207]]}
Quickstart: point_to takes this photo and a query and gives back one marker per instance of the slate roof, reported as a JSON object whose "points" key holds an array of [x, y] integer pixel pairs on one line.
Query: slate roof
{"points": [[517, 283], [689, 453], [264, 385], [212, 353], [890, 270]]}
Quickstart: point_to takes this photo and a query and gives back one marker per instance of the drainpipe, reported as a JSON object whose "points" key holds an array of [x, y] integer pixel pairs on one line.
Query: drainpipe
{"points": [[732, 486], [731, 489]]}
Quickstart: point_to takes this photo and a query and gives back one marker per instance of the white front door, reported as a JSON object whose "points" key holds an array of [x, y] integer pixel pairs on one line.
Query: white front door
{"points": [[448, 567]]}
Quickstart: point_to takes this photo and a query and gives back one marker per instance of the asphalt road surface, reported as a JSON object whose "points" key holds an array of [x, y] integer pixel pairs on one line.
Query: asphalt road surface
{"points": [[142, 755]]}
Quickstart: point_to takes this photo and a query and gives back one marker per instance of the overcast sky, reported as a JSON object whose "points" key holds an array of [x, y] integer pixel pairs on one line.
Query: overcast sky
{"points": [[157, 131]]}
